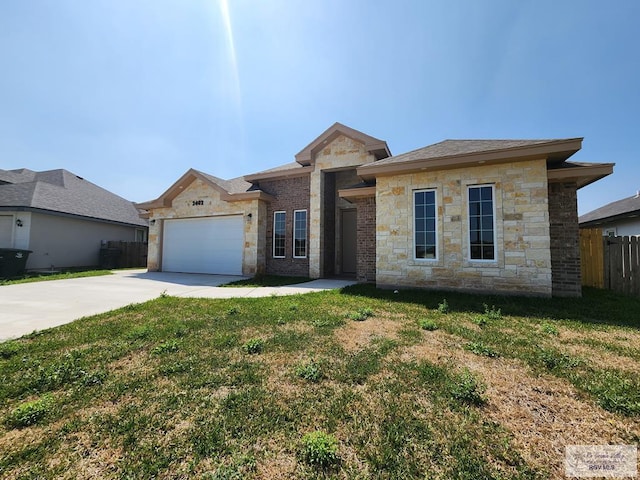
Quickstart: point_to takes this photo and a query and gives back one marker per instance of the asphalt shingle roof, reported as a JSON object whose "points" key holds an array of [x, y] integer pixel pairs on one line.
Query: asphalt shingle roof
{"points": [[62, 191], [452, 148], [626, 206]]}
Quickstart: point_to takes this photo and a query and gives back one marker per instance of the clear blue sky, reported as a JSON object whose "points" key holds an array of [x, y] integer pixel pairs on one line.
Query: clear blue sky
{"points": [[131, 93]]}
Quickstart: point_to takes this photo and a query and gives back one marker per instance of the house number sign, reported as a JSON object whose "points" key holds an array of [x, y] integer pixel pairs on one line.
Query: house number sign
{"points": [[195, 203]]}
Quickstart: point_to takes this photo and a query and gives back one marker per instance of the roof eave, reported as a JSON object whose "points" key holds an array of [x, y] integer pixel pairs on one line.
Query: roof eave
{"points": [[582, 175], [293, 173], [559, 149], [358, 192]]}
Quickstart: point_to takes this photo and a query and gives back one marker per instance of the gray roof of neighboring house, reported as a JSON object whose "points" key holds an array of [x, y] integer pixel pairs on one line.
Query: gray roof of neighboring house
{"points": [[618, 209], [452, 148], [64, 192]]}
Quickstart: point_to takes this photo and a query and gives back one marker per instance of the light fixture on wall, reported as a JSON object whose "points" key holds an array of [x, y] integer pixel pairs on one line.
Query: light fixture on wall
{"points": [[152, 222], [249, 215], [18, 222]]}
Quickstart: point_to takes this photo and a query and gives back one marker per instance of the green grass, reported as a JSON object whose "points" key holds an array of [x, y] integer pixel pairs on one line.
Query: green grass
{"points": [[267, 281], [43, 277], [289, 387]]}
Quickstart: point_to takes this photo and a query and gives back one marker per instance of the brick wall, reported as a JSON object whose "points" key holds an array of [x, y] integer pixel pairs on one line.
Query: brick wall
{"points": [[366, 260], [565, 240], [290, 194]]}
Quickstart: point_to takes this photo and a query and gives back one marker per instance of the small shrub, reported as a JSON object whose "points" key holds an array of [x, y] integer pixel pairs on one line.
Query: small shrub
{"points": [[166, 347], [361, 314], [319, 449], [427, 324], [309, 371], [466, 388], [30, 413], [443, 307], [549, 329], [253, 346], [480, 348]]}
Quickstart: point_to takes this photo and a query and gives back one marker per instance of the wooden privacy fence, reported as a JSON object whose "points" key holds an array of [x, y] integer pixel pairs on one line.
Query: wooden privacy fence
{"points": [[592, 257], [123, 255], [610, 262]]}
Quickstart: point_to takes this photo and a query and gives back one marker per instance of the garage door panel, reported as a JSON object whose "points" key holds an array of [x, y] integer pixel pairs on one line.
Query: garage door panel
{"points": [[203, 245]]}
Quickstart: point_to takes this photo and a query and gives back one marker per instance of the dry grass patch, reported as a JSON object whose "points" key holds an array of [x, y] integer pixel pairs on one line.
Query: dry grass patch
{"points": [[354, 336], [543, 413]]}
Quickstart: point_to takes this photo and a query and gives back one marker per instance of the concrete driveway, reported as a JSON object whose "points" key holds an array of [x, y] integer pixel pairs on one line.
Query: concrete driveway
{"points": [[40, 305]]}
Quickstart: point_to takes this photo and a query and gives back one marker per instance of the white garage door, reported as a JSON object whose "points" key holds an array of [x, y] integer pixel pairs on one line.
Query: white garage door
{"points": [[203, 245]]}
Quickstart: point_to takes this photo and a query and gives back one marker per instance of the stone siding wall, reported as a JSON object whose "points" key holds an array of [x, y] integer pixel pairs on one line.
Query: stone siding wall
{"points": [[565, 240], [290, 194], [339, 154], [366, 239], [183, 207], [523, 259]]}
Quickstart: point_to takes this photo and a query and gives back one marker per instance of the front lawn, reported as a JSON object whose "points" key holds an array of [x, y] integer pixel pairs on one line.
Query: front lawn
{"points": [[45, 276], [358, 384], [267, 281]]}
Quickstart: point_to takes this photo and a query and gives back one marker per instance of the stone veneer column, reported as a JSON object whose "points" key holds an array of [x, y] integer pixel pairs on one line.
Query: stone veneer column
{"points": [[566, 278], [366, 239], [315, 223]]}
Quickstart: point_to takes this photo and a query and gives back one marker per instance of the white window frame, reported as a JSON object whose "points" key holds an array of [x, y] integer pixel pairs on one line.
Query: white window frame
{"points": [[306, 234], [495, 225], [437, 245], [273, 249]]}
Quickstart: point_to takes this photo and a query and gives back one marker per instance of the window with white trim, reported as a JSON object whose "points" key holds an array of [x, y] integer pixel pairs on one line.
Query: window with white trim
{"points": [[300, 233], [279, 232], [482, 243], [425, 225]]}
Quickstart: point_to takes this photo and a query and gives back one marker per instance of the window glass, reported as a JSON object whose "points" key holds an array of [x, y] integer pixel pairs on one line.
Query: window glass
{"points": [[279, 228], [300, 233], [424, 226], [481, 223]]}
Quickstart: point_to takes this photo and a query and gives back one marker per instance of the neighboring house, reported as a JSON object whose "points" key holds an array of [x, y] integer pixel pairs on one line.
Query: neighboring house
{"points": [[620, 218], [62, 218], [483, 215]]}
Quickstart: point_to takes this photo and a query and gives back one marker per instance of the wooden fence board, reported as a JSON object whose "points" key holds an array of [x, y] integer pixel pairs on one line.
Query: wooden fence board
{"points": [[592, 258], [132, 254]]}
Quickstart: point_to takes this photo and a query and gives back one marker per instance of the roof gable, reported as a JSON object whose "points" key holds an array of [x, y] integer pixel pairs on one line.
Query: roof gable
{"points": [[64, 192], [234, 189], [375, 146]]}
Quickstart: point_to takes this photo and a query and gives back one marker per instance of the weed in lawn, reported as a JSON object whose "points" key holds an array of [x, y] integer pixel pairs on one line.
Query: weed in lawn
{"points": [[549, 329], [293, 307], [428, 324], [443, 307], [9, 349], [140, 332], [479, 320], [466, 388], [310, 371], [360, 315], [480, 348], [235, 310], [30, 413], [492, 313], [552, 359], [170, 346], [239, 469], [164, 294], [319, 449], [327, 322], [253, 346], [224, 340]]}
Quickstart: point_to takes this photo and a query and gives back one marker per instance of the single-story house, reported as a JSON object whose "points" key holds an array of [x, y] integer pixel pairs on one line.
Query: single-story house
{"points": [[480, 215], [62, 218], [619, 218]]}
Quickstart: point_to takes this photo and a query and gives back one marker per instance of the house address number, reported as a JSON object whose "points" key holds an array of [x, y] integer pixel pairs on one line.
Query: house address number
{"points": [[195, 203]]}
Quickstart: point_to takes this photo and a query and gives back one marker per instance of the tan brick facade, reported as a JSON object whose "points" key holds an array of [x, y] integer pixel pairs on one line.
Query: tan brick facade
{"points": [[182, 206], [523, 262]]}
